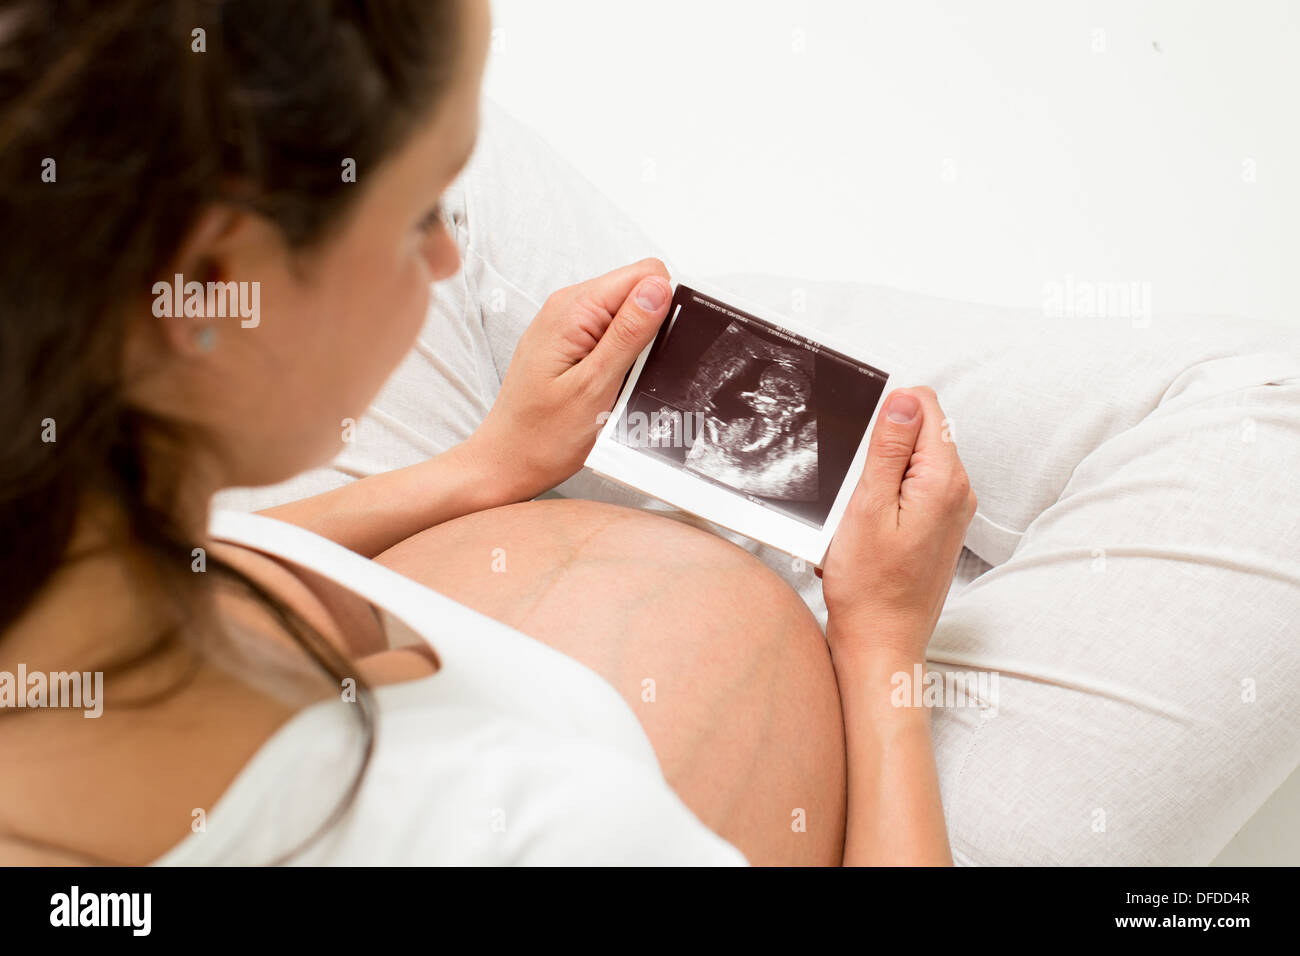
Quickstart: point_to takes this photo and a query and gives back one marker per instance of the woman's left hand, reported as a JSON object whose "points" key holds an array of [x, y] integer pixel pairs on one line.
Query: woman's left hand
{"points": [[566, 371]]}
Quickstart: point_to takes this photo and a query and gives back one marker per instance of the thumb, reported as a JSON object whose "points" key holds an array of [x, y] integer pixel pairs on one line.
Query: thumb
{"points": [[631, 330], [890, 451]]}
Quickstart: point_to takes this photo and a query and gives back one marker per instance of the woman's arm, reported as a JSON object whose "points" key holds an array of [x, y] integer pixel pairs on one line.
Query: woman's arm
{"points": [[372, 514], [566, 372], [894, 813], [886, 576]]}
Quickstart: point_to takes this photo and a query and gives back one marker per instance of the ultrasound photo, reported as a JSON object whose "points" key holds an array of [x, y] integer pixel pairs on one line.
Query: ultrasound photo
{"points": [[749, 406], [760, 434]]}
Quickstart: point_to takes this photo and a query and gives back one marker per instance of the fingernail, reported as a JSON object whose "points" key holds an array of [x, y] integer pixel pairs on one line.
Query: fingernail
{"points": [[652, 293], [902, 408]]}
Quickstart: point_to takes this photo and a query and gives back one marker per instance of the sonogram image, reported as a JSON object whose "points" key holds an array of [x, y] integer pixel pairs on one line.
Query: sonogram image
{"points": [[749, 406], [759, 431]]}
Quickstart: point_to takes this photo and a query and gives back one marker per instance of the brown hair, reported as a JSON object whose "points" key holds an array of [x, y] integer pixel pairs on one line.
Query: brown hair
{"points": [[145, 131]]}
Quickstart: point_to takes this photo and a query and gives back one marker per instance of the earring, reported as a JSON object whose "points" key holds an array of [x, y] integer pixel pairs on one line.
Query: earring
{"points": [[205, 339]]}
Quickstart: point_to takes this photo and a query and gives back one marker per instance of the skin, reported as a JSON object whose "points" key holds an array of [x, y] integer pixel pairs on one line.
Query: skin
{"points": [[747, 722], [745, 717]]}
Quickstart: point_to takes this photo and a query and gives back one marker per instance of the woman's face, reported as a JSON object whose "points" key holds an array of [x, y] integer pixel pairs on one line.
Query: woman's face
{"points": [[334, 323]]}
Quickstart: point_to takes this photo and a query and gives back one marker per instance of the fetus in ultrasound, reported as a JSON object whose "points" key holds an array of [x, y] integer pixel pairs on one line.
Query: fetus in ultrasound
{"points": [[759, 430]]}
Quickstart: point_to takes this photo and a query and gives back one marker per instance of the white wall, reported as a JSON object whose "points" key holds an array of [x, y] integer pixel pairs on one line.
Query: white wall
{"points": [[973, 150]]}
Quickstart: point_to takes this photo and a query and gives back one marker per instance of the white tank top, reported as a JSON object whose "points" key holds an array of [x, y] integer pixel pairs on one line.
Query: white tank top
{"points": [[512, 753]]}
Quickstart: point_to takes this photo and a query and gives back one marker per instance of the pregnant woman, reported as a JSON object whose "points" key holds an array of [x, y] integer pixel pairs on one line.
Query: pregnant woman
{"points": [[347, 679]]}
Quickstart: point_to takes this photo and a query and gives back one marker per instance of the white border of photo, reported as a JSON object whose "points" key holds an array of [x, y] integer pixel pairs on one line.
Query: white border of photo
{"points": [[730, 509]]}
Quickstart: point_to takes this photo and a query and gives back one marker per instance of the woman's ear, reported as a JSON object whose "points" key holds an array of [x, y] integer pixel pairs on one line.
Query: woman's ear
{"points": [[203, 261]]}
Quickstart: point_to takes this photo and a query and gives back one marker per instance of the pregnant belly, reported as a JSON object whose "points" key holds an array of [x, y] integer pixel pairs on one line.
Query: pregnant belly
{"points": [[573, 573], [720, 660]]}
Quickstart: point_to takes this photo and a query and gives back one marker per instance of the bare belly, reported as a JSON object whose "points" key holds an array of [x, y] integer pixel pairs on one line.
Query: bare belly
{"points": [[721, 661]]}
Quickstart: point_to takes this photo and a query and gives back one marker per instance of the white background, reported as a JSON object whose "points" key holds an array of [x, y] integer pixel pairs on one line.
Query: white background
{"points": [[976, 150], [979, 150]]}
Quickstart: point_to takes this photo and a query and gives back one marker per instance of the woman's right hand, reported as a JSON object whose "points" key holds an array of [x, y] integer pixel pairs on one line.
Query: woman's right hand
{"points": [[892, 560]]}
